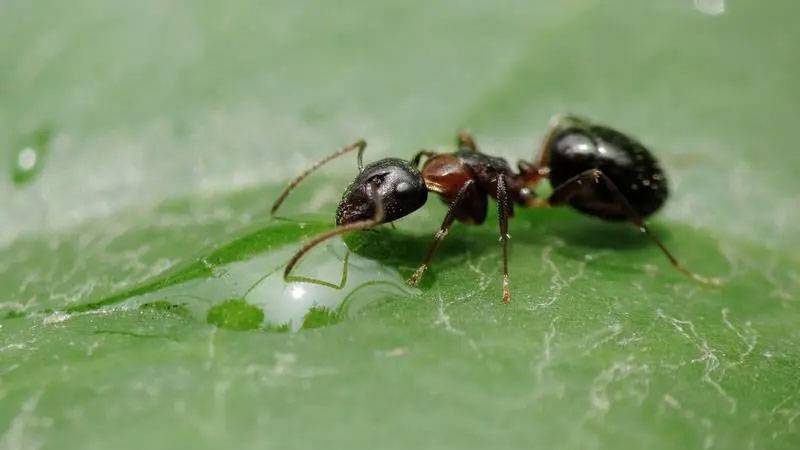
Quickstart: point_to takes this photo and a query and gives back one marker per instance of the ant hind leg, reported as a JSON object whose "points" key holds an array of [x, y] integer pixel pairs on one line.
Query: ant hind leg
{"points": [[564, 192], [465, 140]]}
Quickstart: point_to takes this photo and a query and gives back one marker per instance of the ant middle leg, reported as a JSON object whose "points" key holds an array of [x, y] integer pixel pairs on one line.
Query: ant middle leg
{"points": [[466, 190], [563, 193], [502, 213]]}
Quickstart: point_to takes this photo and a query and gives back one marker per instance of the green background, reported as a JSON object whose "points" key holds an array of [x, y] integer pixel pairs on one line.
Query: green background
{"points": [[165, 129]]}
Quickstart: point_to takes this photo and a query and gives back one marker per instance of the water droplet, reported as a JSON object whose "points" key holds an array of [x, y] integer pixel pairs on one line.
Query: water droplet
{"points": [[28, 159], [56, 317], [710, 7], [254, 295]]}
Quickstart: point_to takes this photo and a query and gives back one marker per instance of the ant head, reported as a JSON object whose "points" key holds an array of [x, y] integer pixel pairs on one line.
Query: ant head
{"points": [[395, 183]]}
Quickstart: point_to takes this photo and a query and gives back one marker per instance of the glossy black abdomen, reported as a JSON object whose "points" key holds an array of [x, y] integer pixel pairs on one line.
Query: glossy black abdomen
{"points": [[631, 167]]}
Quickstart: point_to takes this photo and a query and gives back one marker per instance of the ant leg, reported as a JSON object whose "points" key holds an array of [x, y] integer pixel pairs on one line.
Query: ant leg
{"points": [[563, 193], [502, 213], [360, 144], [418, 157], [355, 226], [449, 218], [465, 140], [559, 123]]}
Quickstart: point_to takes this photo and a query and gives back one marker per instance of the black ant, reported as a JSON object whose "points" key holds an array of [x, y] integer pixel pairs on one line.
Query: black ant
{"points": [[595, 169]]}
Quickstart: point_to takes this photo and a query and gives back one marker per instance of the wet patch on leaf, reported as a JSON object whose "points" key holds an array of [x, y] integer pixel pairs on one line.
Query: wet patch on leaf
{"points": [[167, 307], [235, 314]]}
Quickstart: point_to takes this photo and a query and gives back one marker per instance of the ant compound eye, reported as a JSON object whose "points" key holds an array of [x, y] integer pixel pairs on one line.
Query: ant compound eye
{"points": [[403, 186]]}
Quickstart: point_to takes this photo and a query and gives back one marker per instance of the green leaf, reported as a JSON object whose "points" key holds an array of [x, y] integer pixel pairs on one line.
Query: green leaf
{"points": [[141, 296]]}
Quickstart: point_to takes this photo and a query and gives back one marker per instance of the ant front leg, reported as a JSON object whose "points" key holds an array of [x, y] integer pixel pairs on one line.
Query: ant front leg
{"points": [[502, 213], [564, 192], [449, 218]]}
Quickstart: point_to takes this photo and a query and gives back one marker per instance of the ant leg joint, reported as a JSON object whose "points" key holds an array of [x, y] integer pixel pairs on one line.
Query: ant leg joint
{"points": [[506, 289], [417, 275]]}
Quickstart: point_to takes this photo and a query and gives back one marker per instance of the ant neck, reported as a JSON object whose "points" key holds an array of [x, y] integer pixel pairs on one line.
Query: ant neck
{"points": [[532, 174]]}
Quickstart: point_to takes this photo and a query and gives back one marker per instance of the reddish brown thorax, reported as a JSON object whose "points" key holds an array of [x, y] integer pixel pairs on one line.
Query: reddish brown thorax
{"points": [[445, 175]]}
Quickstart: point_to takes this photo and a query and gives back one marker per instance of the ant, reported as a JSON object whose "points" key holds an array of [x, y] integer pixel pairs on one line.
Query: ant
{"points": [[595, 169]]}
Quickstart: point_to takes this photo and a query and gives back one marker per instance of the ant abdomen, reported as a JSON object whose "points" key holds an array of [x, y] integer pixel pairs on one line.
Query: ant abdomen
{"points": [[624, 160]]}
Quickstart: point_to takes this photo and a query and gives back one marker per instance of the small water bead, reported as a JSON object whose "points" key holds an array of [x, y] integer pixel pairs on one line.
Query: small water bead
{"points": [[26, 158], [29, 158]]}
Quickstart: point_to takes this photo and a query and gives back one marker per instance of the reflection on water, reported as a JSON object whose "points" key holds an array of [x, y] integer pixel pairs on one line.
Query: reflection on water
{"points": [[252, 293]]}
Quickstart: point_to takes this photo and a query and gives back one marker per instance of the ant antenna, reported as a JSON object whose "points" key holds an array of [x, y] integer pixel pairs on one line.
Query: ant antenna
{"points": [[360, 144], [262, 278], [355, 226], [301, 279], [342, 282]]}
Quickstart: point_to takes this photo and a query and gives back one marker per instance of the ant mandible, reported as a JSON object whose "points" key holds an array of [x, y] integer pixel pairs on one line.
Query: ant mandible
{"points": [[595, 169]]}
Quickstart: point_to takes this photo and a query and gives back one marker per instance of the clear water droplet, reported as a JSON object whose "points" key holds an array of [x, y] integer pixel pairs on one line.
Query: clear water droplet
{"points": [[26, 158], [29, 158], [254, 295]]}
